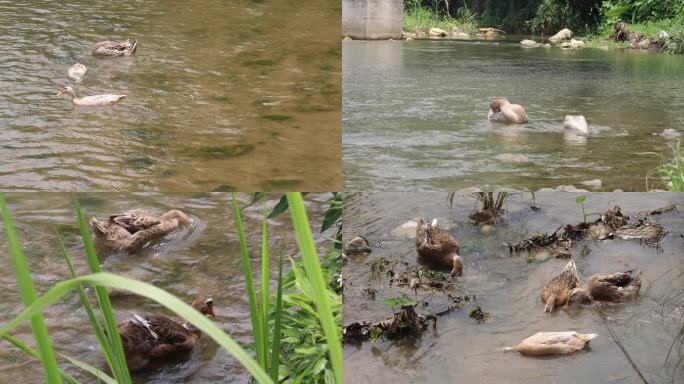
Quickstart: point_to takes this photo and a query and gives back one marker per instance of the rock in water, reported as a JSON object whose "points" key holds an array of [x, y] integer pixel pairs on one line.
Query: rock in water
{"points": [[563, 34], [357, 245], [529, 44], [670, 134], [437, 32]]}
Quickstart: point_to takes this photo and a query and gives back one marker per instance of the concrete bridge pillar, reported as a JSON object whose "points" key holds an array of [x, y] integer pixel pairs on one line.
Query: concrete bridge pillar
{"points": [[372, 19]]}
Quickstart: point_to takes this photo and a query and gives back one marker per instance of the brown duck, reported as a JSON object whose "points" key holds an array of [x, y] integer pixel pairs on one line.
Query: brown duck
{"points": [[608, 287], [557, 291], [149, 340], [438, 248], [132, 230]]}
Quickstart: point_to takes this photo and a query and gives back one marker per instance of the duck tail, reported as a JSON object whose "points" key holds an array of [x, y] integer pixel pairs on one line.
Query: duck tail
{"points": [[96, 225], [588, 336]]}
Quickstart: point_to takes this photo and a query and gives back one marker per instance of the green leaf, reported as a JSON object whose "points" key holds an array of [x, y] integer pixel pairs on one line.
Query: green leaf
{"points": [[28, 297], [617, 11], [312, 266], [172, 303], [580, 199], [398, 301]]}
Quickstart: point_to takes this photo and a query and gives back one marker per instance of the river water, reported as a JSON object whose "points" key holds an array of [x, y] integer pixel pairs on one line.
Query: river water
{"points": [[204, 257], [509, 288], [414, 115], [221, 96]]}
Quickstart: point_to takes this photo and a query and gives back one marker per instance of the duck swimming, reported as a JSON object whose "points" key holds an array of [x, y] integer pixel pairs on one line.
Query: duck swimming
{"points": [[132, 230], [502, 111], [576, 123], [77, 71], [90, 100], [608, 287], [557, 291], [552, 343], [149, 340], [114, 48], [437, 247]]}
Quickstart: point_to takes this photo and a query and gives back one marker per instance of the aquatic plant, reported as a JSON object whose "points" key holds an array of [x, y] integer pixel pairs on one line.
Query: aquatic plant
{"points": [[265, 369], [309, 347], [671, 171]]}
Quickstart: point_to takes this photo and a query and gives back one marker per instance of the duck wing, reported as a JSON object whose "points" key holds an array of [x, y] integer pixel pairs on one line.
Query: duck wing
{"points": [[135, 220], [173, 337], [562, 284], [614, 286]]}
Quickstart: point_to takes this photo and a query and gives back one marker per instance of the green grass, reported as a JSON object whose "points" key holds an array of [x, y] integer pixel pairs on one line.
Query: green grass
{"points": [[272, 320], [420, 19], [673, 172], [651, 29]]}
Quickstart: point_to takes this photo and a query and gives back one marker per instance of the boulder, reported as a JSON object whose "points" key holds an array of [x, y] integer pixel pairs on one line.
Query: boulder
{"points": [[576, 123], [346, 38], [572, 44], [357, 245], [529, 44], [563, 34], [460, 35], [437, 32]]}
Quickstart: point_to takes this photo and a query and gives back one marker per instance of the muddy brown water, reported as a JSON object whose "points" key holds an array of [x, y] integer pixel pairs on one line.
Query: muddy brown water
{"points": [[509, 288], [414, 115], [205, 257], [221, 96]]}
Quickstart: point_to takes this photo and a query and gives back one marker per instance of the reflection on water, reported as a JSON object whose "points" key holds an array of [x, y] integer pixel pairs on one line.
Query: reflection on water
{"points": [[509, 287], [220, 96], [414, 114], [202, 258]]}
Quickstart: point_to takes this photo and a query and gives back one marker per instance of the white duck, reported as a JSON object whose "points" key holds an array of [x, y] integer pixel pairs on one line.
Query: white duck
{"points": [[552, 343], [90, 100], [576, 123], [77, 71]]}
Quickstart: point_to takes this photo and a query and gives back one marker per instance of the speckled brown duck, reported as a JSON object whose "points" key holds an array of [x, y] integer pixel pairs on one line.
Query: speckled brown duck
{"points": [[557, 291], [132, 230], [438, 248], [608, 287], [150, 339]]}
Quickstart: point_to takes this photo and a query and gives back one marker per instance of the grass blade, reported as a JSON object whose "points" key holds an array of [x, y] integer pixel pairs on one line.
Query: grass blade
{"points": [[264, 289], [275, 350], [102, 339], [119, 368], [319, 286], [251, 293], [28, 296], [90, 369], [174, 304]]}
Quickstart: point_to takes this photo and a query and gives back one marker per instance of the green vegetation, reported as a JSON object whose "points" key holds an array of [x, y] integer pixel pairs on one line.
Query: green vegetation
{"points": [[594, 20], [420, 18], [672, 172], [306, 304]]}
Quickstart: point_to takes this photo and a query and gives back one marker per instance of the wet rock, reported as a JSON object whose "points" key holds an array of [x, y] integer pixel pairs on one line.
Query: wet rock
{"points": [[529, 44], [596, 183], [437, 32], [488, 31], [670, 134], [572, 44], [478, 314], [357, 245], [563, 34], [563, 188], [460, 35], [347, 38]]}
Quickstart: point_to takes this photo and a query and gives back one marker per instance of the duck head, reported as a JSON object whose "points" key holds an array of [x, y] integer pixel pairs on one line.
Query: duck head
{"points": [[174, 214], [205, 305], [496, 104], [580, 295], [66, 91]]}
